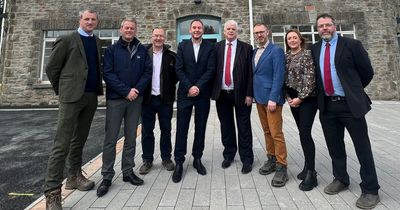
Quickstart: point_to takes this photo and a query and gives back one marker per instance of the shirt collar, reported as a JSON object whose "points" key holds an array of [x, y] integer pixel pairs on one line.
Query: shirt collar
{"points": [[234, 42], [265, 45], [83, 33]]}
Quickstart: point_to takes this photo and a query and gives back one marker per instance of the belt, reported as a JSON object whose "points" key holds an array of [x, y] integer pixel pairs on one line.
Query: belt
{"points": [[227, 91], [335, 98]]}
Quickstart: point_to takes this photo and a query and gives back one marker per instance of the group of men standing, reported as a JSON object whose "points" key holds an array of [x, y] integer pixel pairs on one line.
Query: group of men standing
{"points": [[140, 82]]}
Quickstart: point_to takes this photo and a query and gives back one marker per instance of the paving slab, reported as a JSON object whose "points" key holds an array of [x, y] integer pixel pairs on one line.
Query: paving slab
{"points": [[230, 189]]}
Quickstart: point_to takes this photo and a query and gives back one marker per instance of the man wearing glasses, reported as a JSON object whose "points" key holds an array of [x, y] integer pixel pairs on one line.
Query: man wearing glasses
{"points": [[343, 70], [268, 77]]}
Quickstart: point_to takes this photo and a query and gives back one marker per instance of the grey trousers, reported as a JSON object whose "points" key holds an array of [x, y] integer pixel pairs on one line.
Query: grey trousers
{"points": [[116, 111], [74, 120]]}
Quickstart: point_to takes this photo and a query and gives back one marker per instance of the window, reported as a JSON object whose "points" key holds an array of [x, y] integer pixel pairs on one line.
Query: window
{"points": [[309, 32], [107, 37], [212, 28]]}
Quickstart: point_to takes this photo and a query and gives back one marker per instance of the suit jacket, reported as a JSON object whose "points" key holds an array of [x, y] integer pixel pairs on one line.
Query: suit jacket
{"points": [[269, 75], [190, 72], [242, 71], [354, 70], [67, 68], [168, 77]]}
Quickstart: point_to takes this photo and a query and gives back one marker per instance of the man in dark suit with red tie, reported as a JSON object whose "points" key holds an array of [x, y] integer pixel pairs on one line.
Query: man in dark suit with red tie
{"points": [[343, 71], [195, 71], [233, 92]]}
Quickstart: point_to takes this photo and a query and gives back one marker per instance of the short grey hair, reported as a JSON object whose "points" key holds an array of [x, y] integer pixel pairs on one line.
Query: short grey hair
{"points": [[90, 11], [129, 19], [231, 22]]}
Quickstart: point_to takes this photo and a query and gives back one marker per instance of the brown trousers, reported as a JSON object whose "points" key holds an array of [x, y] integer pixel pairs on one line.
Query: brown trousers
{"points": [[272, 126]]}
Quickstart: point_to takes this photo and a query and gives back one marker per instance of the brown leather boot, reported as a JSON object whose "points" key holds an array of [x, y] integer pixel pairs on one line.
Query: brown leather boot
{"points": [[78, 181], [53, 200]]}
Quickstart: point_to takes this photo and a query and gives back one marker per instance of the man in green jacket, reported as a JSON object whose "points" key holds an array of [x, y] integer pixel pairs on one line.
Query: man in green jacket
{"points": [[74, 72]]}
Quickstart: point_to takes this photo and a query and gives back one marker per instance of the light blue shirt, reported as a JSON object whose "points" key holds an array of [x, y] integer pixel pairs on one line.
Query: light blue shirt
{"points": [[337, 86], [83, 33]]}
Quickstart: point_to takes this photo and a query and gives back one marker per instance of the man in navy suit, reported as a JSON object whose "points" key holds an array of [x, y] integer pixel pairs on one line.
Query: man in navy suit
{"points": [[195, 70], [233, 92], [268, 78], [343, 71]]}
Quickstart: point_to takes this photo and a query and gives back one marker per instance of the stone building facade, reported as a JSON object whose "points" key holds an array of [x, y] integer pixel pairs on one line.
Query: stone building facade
{"points": [[31, 25]]}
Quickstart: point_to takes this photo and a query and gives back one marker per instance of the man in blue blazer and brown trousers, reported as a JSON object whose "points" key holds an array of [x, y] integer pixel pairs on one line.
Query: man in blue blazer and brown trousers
{"points": [[195, 70], [268, 78], [343, 70]]}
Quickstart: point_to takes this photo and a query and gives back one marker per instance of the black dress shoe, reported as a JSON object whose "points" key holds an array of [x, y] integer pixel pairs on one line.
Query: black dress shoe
{"points": [[246, 168], [310, 181], [226, 163], [133, 179], [199, 166], [177, 175], [103, 188]]}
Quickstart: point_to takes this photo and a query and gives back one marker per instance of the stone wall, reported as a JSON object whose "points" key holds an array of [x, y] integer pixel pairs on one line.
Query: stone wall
{"points": [[20, 62]]}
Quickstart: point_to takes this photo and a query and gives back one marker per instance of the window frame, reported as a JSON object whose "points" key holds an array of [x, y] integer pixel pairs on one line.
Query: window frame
{"points": [[49, 41], [313, 32]]}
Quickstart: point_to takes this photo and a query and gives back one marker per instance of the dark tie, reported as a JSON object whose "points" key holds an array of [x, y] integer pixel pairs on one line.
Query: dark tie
{"points": [[228, 80], [327, 71]]}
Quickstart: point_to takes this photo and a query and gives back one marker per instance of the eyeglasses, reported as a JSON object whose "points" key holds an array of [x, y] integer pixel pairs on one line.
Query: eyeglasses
{"points": [[259, 32], [325, 25]]}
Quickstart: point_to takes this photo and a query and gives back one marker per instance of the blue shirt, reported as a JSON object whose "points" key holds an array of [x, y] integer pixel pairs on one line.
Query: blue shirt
{"points": [[337, 86], [83, 33]]}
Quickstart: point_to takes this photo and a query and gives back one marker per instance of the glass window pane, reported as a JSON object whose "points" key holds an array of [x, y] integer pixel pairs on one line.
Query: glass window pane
{"points": [[277, 29], [49, 34], [184, 27], [348, 35], [211, 26], [317, 38], [308, 37], [276, 39], [347, 27], [305, 28], [105, 33]]}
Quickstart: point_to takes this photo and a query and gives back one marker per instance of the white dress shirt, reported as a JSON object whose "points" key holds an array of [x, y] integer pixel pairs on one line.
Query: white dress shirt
{"points": [[155, 81]]}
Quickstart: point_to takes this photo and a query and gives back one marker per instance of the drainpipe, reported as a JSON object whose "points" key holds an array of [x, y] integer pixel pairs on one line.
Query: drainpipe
{"points": [[1, 42], [2, 25], [251, 22]]}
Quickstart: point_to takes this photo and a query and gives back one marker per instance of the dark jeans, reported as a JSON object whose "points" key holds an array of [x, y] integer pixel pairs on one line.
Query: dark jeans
{"points": [[164, 112], [334, 120], [226, 110], [74, 120], [184, 113], [304, 116]]}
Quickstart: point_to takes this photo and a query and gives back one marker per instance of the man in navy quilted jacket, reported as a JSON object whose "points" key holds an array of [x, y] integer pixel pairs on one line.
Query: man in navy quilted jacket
{"points": [[127, 72]]}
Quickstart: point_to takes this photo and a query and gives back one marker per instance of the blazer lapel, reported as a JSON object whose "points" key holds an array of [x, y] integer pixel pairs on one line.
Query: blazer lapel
{"points": [[80, 45], [238, 49], [339, 50], [265, 54]]}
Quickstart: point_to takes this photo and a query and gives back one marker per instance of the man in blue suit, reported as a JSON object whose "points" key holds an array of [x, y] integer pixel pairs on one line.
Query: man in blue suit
{"points": [[268, 77], [195, 70]]}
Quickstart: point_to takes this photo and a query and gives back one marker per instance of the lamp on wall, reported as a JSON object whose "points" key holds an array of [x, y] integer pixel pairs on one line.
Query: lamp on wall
{"points": [[197, 1]]}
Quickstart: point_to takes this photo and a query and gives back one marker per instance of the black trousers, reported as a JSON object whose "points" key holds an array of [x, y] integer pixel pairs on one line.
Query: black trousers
{"points": [[226, 109], [334, 120], [184, 113], [164, 112], [304, 116]]}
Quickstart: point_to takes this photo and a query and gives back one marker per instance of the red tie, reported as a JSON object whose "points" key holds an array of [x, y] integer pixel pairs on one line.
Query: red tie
{"points": [[327, 71], [228, 66]]}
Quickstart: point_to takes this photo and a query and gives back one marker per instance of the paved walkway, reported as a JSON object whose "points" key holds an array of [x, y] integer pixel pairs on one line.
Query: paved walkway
{"points": [[230, 189]]}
